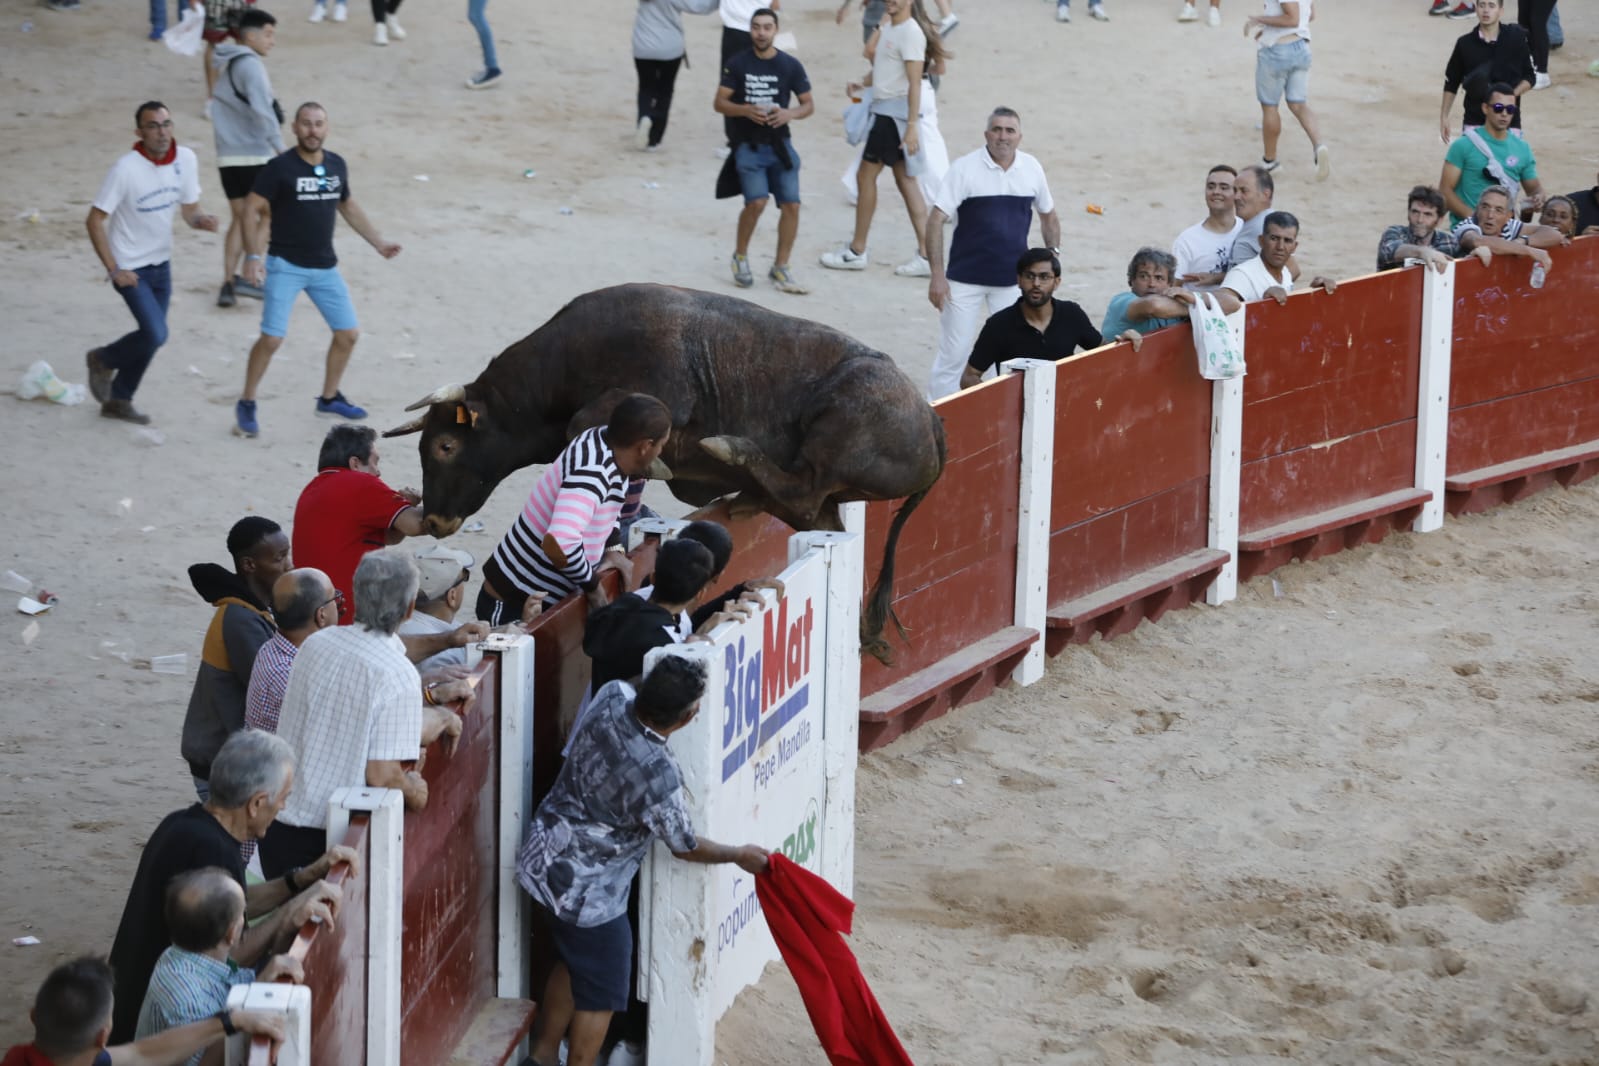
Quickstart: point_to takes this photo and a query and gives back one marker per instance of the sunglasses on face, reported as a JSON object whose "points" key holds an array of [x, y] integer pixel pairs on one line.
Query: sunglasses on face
{"points": [[1503, 109]]}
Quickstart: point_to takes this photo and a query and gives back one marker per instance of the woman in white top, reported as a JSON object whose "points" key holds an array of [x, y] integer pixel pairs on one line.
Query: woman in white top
{"points": [[934, 151], [1282, 69]]}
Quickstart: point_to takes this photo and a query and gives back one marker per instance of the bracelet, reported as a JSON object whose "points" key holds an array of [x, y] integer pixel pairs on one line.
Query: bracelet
{"points": [[252, 259], [291, 880], [428, 697], [226, 1018]]}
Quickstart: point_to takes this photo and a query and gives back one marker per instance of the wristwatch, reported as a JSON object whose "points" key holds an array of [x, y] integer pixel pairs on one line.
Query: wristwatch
{"points": [[226, 1018]]}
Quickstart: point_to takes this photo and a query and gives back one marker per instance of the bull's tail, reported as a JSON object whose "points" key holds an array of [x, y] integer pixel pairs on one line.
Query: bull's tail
{"points": [[880, 601]]}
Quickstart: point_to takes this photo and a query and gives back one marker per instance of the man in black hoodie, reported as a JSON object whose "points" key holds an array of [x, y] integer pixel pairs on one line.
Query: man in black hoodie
{"points": [[241, 624], [621, 633]]}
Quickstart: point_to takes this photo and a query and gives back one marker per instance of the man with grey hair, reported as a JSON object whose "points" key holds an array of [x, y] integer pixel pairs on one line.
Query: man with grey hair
{"points": [[1152, 300], [1253, 190], [251, 779], [353, 712], [192, 979]]}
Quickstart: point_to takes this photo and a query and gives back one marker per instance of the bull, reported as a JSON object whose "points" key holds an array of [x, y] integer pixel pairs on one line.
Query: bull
{"points": [[792, 416]]}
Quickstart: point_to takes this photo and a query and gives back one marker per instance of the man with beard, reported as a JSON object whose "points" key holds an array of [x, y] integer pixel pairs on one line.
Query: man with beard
{"points": [[297, 194], [1037, 326], [1420, 237]]}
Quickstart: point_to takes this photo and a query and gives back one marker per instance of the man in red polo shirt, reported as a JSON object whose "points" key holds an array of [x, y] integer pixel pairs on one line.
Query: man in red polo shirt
{"points": [[347, 510]]}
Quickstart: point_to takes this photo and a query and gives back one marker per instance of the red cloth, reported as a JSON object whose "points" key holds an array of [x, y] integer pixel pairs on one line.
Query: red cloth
{"points": [[341, 515], [25, 1055], [809, 919]]}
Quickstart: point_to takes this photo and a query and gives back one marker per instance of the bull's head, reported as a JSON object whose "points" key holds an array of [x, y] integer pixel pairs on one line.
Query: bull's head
{"points": [[465, 454]]}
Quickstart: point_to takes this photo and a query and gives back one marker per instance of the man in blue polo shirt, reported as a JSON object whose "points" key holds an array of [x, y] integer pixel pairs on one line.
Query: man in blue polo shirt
{"points": [[299, 193], [992, 194]]}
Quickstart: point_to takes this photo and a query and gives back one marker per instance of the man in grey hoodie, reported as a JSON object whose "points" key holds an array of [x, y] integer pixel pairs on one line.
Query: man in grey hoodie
{"points": [[658, 49], [248, 125]]}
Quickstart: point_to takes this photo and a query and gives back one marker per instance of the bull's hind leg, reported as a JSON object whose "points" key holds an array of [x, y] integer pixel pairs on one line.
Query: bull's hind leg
{"points": [[792, 496]]}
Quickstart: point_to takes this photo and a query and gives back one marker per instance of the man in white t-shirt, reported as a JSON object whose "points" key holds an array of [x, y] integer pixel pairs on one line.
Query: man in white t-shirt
{"points": [[1204, 250], [991, 194], [1267, 274], [1282, 69], [130, 226]]}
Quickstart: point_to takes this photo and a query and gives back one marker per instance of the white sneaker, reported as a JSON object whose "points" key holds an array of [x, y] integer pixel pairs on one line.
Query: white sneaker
{"points": [[916, 266], [1188, 14], [723, 152], [641, 133], [844, 259], [340, 12], [1323, 162], [380, 36], [396, 31], [1063, 12], [1097, 13], [1213, 18], [948, 23], [318, 12], [1542, 82]]}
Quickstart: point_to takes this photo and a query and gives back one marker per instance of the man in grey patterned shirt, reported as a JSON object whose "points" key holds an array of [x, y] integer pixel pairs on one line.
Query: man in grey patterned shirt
{"points": [[620, 787]]}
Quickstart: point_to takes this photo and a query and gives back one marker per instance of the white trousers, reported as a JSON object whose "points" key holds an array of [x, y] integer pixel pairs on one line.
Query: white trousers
{"points": [[965, 311]]}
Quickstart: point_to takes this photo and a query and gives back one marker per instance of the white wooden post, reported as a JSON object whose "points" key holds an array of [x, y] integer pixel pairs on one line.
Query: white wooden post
{"points": [[270, 997], [385, 874], [1432, 392], [1032, 535], [1226, 447], [515, 675], [845, 554]]}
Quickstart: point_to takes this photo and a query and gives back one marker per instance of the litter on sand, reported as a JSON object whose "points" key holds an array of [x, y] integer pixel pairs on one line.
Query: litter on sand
{"points": [[30, 632], [26, 941], [29, 605], [39, 380]]}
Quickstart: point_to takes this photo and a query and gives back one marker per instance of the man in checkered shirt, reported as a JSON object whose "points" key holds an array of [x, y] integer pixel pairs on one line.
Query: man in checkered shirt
{"points": [[354, 711]]}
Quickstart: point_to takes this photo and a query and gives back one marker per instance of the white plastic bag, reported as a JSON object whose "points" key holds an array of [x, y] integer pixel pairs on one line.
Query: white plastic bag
{"points": [[1220, 356], [185, 38], [39, 380]]}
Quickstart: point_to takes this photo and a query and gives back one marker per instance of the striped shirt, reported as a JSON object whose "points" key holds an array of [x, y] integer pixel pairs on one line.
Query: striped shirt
{"points": [[186, 988], [269, 679], [353, 698], [577, 501]]}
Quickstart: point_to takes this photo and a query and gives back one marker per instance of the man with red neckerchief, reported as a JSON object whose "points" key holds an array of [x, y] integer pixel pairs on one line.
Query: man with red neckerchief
{"points": [[130, 226]]}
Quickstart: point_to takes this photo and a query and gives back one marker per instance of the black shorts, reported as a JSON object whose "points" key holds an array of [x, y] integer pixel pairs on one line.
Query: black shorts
{"points": [[883, 142], [599, 958], [238, 181]]}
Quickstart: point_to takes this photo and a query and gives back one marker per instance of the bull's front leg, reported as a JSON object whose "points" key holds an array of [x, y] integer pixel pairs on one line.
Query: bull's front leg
{"points": [[793, 497]]}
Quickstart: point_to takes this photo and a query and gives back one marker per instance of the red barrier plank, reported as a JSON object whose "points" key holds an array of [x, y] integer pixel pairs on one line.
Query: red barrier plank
{"points": [[1325, 367], [1510, 338], [451, 848], [1523, 425], [956, 565], [1292, 485], [1130, 540], [335, 962], [1128, 425]]}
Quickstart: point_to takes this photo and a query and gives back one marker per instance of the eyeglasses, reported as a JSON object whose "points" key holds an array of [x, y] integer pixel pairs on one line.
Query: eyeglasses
{"points": [[337, 597], [1040, 278], [466, 575], [157, 125], [1503, 109]]}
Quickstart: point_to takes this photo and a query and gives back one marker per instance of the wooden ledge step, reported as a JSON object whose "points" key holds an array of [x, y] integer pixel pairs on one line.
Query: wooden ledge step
{"points": [[918, 688], [1312, 525], [1471, 480], [1086, 608], [495, 1034]]}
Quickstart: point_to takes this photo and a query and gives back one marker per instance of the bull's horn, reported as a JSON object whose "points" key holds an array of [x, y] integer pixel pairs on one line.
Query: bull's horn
{"points": [[448, 394], [659, 471], [413, 426]]}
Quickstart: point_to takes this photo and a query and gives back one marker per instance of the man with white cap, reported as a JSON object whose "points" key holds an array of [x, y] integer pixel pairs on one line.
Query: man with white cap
{"points": [[440, 591]]}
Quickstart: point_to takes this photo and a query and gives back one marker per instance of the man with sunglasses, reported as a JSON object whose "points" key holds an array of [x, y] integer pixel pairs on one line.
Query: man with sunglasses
{"points": [[130, 227], [1492, 155], [1037, 326], [298, 194]]}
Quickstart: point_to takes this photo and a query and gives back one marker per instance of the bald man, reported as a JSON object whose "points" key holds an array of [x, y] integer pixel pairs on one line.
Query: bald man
{"points": [[303, 601]]}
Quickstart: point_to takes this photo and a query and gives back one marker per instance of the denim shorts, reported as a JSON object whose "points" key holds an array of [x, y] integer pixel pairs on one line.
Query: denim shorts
{"points": [[1283, 69], [599, 959], [761, 175], [285, 281]]}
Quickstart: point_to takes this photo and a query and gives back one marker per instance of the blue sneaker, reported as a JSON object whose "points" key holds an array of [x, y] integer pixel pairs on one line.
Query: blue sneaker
{"points": [[244, 417], [339, 407]]}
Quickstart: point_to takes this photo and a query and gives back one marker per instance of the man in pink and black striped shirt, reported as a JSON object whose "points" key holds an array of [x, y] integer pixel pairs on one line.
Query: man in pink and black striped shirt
{"points": [[558, 544]]}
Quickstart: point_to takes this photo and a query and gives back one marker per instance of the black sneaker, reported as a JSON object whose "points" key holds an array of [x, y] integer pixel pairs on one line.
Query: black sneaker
{"points": [[225, 297], [125, 411], [244, 288], [100, 376]]}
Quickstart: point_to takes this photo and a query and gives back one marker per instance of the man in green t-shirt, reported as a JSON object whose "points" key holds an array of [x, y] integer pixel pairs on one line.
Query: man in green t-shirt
{"points": [[1148, 303], [1470, 164]]}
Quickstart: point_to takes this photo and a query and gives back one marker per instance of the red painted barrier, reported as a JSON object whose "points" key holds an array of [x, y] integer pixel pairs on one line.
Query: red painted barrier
{"points": [[1329, 439], [1129, 506], [1524, 381]]}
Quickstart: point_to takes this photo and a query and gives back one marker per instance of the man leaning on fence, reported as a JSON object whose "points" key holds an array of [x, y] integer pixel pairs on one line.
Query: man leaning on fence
{"points": [[619, 788]]}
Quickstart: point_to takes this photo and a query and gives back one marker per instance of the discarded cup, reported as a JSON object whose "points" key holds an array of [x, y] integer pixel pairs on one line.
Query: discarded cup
{"points": [[170, 664], [16, 582]]}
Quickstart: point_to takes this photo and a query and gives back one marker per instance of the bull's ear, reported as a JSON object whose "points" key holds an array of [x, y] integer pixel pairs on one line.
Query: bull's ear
{"points": [[468, 412]]}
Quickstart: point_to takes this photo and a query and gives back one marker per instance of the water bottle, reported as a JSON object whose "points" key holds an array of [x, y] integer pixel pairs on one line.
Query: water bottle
{"points": [[1537, 275]]}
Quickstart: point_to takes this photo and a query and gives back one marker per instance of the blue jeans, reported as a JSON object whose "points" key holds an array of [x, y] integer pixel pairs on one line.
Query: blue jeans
{"points": [[130, 354], [760, 174], [1283, 70], [480, 22], [1557, 37], [158, 17]]}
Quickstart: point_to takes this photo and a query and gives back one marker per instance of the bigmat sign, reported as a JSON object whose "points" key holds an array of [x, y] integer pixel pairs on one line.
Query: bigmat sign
{"points": [[769, 760]]}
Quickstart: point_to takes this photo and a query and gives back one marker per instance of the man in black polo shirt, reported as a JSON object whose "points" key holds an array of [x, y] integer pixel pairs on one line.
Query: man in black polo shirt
{"points": [[1587, 204], [1492, 53], [1037, 326], [250, 781], [298, 194]]}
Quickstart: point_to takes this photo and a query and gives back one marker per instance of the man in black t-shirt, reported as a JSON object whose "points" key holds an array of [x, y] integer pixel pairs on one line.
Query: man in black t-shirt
{"points": [[250, 781], [754, 95], [1587, 204], [299, 193], [1037, 326]]}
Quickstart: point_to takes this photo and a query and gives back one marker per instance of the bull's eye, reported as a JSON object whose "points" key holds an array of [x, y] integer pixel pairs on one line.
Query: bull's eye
{"points": [[444, 448]]}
